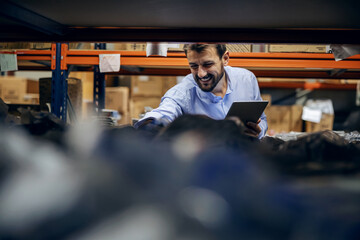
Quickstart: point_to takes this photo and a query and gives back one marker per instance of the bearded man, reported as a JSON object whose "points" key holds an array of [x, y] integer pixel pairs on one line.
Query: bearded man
{"points": [[209, 90]]}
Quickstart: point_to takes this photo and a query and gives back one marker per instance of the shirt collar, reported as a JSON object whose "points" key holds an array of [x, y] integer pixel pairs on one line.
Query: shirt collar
{"points": [[212, 97]]}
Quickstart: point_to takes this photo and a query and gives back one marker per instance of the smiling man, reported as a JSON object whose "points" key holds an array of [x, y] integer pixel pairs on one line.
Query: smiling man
{"points": [[209, 90]]}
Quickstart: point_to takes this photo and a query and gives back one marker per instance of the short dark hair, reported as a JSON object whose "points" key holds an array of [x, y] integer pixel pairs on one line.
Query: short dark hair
{"points": [[220, 48]]}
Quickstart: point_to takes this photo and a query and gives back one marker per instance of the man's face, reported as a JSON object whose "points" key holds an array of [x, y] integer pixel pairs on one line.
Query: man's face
{"points": [[207, 68]]}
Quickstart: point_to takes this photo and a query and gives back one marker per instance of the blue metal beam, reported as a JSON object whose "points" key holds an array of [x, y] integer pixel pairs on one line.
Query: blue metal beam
{"points": [[59, 88], [99, 84], [31, 19]]}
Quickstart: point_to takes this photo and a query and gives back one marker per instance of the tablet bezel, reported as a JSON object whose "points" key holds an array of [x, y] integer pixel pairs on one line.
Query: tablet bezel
{"points": [[247, 111]]}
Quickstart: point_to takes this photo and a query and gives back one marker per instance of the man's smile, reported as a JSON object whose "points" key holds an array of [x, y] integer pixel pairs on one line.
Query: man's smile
{"points": [[205, 79]]}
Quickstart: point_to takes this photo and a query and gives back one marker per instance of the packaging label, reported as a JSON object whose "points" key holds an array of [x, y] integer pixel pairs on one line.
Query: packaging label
{"points": [[109, 62], [311, 115], [8, 62]]}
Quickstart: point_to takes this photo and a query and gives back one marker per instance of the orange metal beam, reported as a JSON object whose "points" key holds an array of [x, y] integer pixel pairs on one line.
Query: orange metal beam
{"points": [[38, 58], [294, 63], [122, 53], [289, 55], [306, 85], [53, 56], [64, 51], [181, 62], [182, 54], [232, 54], [131, 61], [267, 63], [177, 59], [310, 73]]}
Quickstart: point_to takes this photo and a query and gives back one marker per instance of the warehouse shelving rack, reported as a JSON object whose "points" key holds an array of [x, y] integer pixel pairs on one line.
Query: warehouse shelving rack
{"points": [[305, 65]]}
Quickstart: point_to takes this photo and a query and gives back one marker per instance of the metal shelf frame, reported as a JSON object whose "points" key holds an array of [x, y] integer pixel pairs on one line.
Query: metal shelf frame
{"points": [[178, 59], [311, 65], [99, 84], [58, 83]]}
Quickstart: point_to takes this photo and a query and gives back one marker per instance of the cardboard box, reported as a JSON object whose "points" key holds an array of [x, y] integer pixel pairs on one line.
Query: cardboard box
{"points": [[40, 45], [138, 104], [87, 81], [75, 93], [88, 109], [118, 81], [81, 45], [179, 49], [238, 47], [15, 45], [260, 47], [117, 98], [145, 86], [278, 118], [17, 90], [266, 97], [296, 123], [297, 48], [283, 119], [127, 46], [168, 82], [125, 119], [326, 123]]}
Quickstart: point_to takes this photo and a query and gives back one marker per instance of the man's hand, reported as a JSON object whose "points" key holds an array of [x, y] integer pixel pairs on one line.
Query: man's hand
{"points": [[153, 125], [253, 129], [145, 123]]}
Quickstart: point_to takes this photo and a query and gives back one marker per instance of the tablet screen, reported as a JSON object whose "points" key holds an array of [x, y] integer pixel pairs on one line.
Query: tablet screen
{"points": [[247, 111]]}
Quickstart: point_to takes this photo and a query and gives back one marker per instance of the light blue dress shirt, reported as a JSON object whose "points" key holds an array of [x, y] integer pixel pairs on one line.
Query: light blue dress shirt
{"points": [[187, 98]]}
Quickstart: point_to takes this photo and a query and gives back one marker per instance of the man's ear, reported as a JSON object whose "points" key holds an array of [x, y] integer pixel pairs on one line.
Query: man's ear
{"points": [[226, 58]]}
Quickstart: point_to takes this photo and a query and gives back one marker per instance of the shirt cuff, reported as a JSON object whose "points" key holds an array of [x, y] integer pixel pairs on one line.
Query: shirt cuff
{"points": [[147, 116], [263, 126]]}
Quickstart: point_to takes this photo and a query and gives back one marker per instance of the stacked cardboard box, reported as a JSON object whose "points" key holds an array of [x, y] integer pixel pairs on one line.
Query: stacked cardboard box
{"points": [[318, 115], [17, 90], [42, 45], [75, 92], [126, 46], [15, 45], [296, 123], [297, 48], [87, 85], [176, 49], [326, 123], [283, 119], [138, 105], [266, 97], [260, 47], [167, 83], [145, 86], [146, 91], [238, 47], [117, 98]]}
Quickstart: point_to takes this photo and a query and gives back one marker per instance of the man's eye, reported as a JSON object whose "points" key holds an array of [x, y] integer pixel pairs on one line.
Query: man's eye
{"points": [[208, 65], [194, 66]]}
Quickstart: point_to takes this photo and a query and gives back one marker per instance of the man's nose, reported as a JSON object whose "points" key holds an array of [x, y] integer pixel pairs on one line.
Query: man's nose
{"points": [[201, 72]]}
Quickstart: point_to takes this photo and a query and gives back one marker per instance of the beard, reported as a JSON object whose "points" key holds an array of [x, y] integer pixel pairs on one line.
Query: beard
{"points": [[211, 80]]}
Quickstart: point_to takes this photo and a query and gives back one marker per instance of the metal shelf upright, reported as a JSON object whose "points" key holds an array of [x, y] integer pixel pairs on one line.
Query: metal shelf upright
{"points": [[58, 83], [99, 83]]}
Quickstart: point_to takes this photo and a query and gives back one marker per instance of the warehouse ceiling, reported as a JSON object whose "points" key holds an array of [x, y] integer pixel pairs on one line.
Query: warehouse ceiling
{"points": [[313, 21]]}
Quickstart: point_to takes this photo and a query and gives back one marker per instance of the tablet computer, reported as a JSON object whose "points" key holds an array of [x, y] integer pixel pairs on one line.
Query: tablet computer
{"points": [[247, 111]]}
